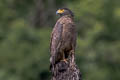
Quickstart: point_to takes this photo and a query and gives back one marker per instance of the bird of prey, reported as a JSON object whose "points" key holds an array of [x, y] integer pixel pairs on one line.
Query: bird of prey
{"points": [[63, 37]]}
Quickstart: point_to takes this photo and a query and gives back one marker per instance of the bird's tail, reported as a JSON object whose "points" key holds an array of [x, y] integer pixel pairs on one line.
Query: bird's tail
{"points": [[52, 64], [53, 60]]}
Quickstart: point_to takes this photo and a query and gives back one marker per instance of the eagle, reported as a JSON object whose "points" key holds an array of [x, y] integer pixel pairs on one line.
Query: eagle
{"points": [[63, 37]]}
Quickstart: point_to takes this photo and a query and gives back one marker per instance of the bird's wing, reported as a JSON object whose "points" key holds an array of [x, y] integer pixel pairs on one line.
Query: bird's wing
{"points": [[56, 37], [69, 34], [73, 33]]}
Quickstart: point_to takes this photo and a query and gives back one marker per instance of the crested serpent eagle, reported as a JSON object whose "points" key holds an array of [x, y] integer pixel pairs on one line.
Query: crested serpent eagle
{"points": [[63, 37]]}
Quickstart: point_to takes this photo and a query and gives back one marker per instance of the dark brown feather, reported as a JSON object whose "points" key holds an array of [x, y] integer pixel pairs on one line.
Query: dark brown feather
{"points": [[63, 39]]}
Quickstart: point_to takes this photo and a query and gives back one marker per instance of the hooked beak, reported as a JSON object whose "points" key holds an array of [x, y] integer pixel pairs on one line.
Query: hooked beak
{"points": [[59, 11]]}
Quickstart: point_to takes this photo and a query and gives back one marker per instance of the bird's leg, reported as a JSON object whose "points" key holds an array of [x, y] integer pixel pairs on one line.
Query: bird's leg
{"points": [[72, 52], [63, 58]]}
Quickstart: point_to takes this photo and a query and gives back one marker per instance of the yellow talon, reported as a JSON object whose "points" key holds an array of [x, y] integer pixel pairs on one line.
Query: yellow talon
{"points": [[65, 60]]}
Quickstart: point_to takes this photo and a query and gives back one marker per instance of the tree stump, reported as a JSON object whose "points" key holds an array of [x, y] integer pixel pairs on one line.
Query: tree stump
{"points": [[66, 71]]}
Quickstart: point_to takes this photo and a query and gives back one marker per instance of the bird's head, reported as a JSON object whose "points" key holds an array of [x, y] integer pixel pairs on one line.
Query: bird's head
{"points": [[64, 11]]}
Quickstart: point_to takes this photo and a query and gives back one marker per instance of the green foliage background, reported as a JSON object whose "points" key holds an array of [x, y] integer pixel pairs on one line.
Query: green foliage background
{"points": [[24, 49]]}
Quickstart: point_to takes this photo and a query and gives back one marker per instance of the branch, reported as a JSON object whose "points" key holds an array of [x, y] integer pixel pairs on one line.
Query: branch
{"points": [[66, 71]]}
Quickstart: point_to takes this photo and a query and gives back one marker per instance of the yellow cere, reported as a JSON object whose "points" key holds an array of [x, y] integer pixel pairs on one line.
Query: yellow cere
{"points": [[60, 11]]}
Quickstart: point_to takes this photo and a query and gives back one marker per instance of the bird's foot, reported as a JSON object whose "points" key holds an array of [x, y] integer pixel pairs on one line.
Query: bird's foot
{"points": [[65, 60]]}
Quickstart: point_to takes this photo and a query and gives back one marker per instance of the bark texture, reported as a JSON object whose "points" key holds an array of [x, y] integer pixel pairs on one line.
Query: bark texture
{"points": [[66, 71]]}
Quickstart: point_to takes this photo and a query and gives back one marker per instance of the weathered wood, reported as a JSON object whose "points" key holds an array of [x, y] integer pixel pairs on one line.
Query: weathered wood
{"points": [[66, 71]]}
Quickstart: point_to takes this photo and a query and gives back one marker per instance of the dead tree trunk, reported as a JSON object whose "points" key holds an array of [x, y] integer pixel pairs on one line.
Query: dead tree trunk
{"points": [[66, 71]]}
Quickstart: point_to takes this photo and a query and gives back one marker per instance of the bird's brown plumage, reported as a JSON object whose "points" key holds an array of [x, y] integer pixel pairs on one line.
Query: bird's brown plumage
{"points": [[63, 39]]}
